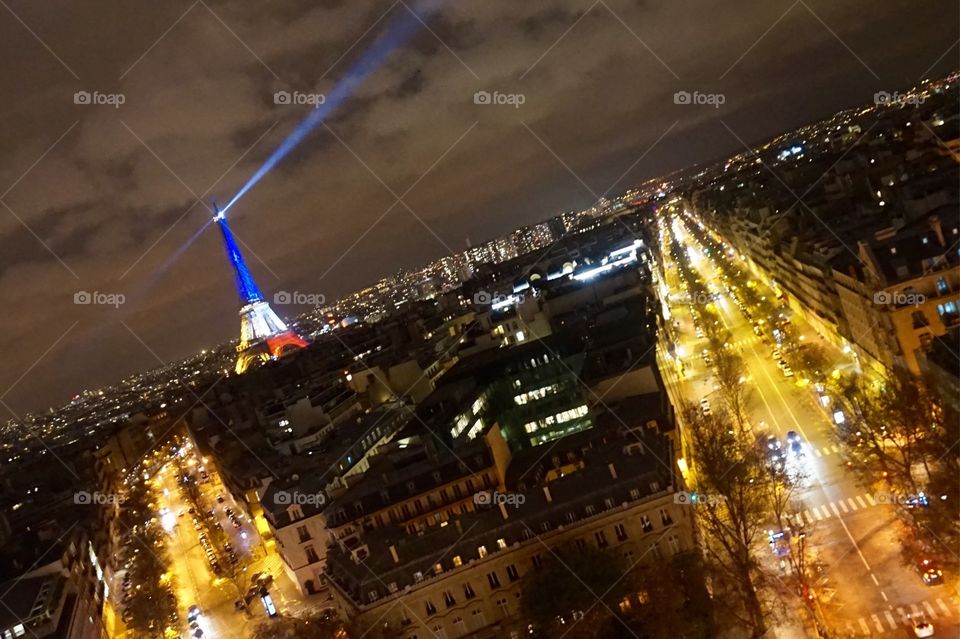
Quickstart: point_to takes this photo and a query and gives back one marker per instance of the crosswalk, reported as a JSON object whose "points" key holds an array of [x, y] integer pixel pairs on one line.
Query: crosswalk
{"points": [[827, 451], [890, 620], [836, 508]]}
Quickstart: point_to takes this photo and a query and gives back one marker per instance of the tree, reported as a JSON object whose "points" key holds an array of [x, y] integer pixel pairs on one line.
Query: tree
{"points": [[671, 600], [891, 429], [730, 376], [318, 625], [580, 588], [728, 476]]}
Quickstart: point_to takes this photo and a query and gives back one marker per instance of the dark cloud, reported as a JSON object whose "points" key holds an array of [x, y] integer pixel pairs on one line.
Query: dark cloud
{"points": [[113, 192]]}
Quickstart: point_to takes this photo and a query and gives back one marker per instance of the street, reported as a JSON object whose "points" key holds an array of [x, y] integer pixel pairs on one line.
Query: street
{"points": [[858, 574]]}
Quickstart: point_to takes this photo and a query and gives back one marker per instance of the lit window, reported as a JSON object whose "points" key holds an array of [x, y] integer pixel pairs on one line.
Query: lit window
{"points": [[482, 551], [457, 561], [501, 543]]}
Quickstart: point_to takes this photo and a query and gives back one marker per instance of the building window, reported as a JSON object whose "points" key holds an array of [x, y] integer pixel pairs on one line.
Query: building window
{"points": [[304, 533], [311, 555], [439, 631], [480, 619], [437, 568], [481, 551], [656, 552], [590, 510], [580, 544], [503, 606], [942, 286], [601, 539], [417, 577], [608, 503], [431, 609], [665, 517], [468, 591], [512, 572], [537, 560], [645, 523], [501, 543], [448, 599], [493, 580], [634, 493], [459, 626], [674, 544], [457, 561], [621, 532], [372, 596]]}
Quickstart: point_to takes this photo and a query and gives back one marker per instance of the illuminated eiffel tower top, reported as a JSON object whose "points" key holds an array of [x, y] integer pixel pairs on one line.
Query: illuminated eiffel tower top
{"points": [[263, 335]]}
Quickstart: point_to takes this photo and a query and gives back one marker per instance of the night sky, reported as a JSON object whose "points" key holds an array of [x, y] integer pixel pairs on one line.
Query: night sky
{"points": [[99, 197]]}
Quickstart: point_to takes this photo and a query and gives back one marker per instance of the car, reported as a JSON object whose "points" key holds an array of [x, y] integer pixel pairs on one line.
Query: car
{"points": [[930, 571], [220, 499], [787, 371], [705, 406], [794, 442], [193, 613], [922, 628]]}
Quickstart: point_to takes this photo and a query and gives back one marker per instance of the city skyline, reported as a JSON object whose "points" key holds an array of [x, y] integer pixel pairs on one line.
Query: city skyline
{"points": [[58, 237]]}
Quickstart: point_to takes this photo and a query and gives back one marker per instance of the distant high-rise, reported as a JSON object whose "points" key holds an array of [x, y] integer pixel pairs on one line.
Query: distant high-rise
{"points": [[263, 335]]}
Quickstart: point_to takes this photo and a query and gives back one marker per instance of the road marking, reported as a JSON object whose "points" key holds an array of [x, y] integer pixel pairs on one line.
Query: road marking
{"points": [[876, 622], [853, 504], [835, 449], [890, 620], [862, 503], [816, 513], [874, 577], [915, 610], [870, 499], [903, 614], [833, 507], [864, 626], [930, 610], [944, 607], [817, 452], [843, 506], [884, 595]]}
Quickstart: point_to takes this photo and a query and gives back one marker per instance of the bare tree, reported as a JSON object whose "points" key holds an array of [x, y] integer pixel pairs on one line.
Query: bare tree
{"points": [[731, 378], [728, 476]]}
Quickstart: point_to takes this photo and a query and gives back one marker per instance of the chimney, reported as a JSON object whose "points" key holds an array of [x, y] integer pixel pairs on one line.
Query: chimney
{"points": [[613, 470], [934, 222], [503, 510], [393, 553], [546, 493]]}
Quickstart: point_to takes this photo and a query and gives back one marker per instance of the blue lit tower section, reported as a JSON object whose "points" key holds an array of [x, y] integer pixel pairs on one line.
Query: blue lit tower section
{"points": [[263, 335]]}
